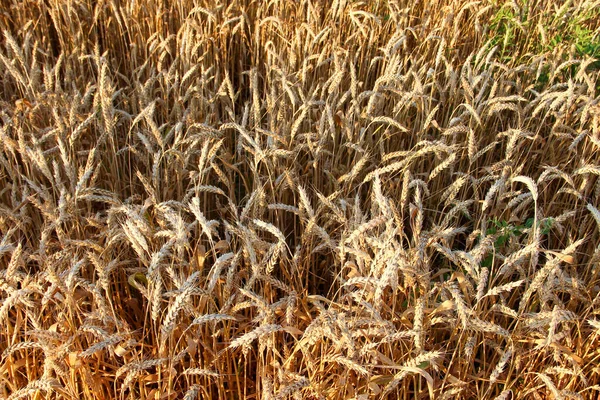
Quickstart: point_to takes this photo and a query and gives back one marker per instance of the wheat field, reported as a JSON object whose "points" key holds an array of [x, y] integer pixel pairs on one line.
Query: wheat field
{"points": [[299, 199]]}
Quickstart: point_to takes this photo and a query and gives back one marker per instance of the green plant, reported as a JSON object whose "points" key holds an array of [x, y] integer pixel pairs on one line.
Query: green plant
{"points": [[503, 28], [505, 231]]}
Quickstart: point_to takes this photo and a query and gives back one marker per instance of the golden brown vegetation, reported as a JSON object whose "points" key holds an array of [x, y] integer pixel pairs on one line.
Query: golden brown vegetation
{"points": [[272, 200]]}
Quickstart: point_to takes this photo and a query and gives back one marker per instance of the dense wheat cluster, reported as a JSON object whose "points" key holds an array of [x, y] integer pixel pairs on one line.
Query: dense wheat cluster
{"points": [[299, 200]]}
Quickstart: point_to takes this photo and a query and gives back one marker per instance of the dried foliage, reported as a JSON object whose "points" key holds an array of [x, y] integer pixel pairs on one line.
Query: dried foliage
{"points": [[305, 200]]}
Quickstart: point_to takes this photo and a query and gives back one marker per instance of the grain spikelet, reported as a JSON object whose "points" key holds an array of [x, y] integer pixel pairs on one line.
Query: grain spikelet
{"points": [[45, 384], [215, 272], [461, 307], [106, 343], [418, 324], [483, 151], [356, 169], [450, 193], [270, 228], [20, 346], [500, 366], [14, 263], [588, 169], [495, 188], [550, 385], [292, 388], [365, 227], [442, 166], [538, 281], [200, 372], [284, 207], [482, 283], [594, 324], [169, 321], [207, 226], [203, 319], [246, 339], [411, 366], [192, 392], [305, 202], [137, 240], [390, 121], [387, 169], [503, 288], [352, 365], [210, 189], [595, 213]]}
